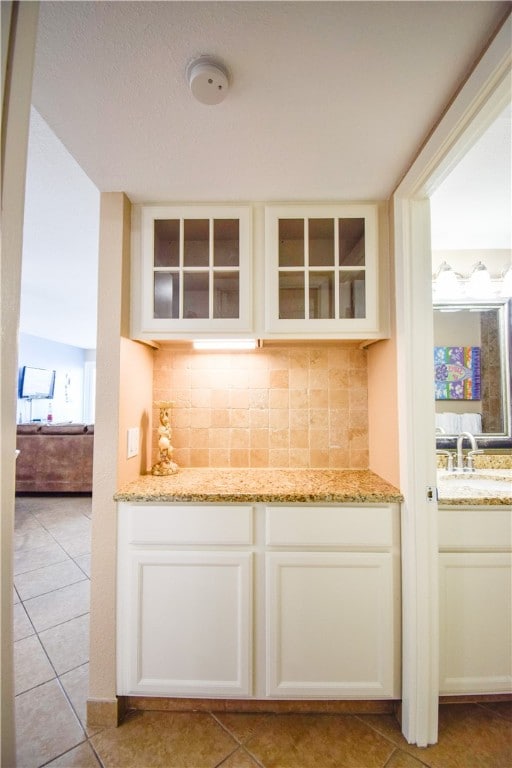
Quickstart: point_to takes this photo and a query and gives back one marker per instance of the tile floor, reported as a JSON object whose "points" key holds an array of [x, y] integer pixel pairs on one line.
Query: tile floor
{"points": [[52, 558]]}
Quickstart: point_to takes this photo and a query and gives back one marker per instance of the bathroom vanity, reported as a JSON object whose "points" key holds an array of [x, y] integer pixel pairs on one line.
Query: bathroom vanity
{"points": [[475, 579], [259, 584]]}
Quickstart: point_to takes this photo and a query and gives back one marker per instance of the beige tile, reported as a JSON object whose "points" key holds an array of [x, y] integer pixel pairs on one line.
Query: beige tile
{"points": [[24, 520], [501, 708], [58, 517], [59, 606], [469, 735], [68, 524], [42, 580], [78, 757], [22, 626], [401, 759], [27, 539], [299, 458], [31, 665], [166, 740], [238, 457], [240, 759], [73, 544], [309, 741], [76, 686], [242, 725], [38, 558], [84, 562], [46, 726], [67, 644], [239, 418], [15, 597]]}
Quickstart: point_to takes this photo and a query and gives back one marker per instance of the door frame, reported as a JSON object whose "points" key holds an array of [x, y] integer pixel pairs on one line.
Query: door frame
{"points": [[483, 96]]}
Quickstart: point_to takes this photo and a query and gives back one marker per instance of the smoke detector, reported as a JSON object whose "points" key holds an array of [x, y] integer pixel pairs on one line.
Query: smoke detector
{"points": [[208, 80]]}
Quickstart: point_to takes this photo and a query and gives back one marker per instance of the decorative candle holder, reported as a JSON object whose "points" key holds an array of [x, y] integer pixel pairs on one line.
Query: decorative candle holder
{"points": [[165, 466]]}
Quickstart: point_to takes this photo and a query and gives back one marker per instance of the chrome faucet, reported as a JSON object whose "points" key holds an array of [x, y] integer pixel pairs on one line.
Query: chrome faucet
{"points": [[449, 458], [460, 440]]}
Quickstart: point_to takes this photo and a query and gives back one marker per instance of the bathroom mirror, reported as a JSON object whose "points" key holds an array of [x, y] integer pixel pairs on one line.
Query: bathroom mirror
{"points": [[479, 331]]}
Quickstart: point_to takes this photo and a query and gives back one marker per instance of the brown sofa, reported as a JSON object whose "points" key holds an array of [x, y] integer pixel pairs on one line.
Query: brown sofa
{"points": [[54, 458]]}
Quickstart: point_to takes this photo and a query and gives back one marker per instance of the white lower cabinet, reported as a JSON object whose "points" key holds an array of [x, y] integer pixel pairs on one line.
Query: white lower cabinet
{"points": [[185, 600], [475, 601], [332, 600], [330, 625], [258, 601]]}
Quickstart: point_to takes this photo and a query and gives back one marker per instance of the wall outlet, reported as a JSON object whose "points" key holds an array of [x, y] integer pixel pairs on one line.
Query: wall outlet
{"points": [[132, 448]]}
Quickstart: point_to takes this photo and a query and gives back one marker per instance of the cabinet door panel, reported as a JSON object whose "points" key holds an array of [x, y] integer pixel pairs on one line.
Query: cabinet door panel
{"points": [[322, 270], [190, 624], [330, 625], [192, 271], [475, 602]]}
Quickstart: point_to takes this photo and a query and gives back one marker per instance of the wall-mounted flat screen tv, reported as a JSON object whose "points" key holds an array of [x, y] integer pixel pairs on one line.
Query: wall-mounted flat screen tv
{"points": [[36, 383]]}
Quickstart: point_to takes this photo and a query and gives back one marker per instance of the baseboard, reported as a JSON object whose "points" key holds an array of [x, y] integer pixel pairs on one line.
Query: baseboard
{"points": [[107, 713], [352, 707]]}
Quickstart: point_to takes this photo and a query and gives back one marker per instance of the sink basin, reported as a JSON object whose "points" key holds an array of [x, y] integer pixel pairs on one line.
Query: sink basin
{"points": [[481, 483]]}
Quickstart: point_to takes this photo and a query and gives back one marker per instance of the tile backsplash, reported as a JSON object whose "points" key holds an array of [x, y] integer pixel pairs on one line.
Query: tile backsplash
{"points": [[286, 406]]}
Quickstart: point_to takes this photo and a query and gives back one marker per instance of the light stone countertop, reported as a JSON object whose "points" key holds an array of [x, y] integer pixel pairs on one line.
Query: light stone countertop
{"points": [[490, 484], [262, 485], [484, 487]]}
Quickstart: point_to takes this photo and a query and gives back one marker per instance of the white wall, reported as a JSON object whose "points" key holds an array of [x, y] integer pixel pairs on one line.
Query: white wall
{"points": [[69, 363]]}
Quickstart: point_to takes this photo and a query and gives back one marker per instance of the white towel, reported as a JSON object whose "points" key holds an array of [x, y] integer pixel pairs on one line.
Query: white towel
{"points": [[450, 422], [471, 422]]}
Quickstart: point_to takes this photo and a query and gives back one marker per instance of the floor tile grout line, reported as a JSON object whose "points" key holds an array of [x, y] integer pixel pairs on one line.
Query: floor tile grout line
{"points": [[241, 744], [227, 757], [49, 592], [61, 623], [485, 705], [97, 756], [29, 620], [399, 751], [225, 728], [31, 570], [359, 717], [49, 532]]}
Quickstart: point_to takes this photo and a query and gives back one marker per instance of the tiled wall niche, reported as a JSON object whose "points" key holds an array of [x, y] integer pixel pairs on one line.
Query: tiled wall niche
{"points": [[280, 406]]}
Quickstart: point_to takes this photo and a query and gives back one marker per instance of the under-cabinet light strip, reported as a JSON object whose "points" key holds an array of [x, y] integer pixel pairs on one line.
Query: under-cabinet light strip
{"points": [[224, 344]]}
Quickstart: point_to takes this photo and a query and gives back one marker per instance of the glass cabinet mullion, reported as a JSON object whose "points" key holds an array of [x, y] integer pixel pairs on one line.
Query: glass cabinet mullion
{"points": [[336, 269], [210, 267], [182, 262], [306, 268]]}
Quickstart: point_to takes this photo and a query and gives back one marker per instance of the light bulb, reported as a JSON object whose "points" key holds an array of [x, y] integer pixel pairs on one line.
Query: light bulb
{"points": [[479, 285], [506, 287], [446, 284]]}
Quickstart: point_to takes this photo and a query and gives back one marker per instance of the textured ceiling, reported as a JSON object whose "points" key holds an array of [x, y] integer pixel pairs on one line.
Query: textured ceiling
{"points": [[328, 101]]}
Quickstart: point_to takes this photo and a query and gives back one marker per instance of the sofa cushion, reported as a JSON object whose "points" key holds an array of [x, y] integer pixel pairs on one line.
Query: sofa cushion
{"points": [[63, 429], [28, 429]]}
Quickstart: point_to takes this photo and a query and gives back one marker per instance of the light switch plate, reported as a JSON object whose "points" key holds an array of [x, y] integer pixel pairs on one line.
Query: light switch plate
{"points": [[132, 448]]}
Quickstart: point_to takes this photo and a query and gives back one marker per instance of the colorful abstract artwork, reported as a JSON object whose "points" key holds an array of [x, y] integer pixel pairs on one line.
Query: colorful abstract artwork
{"points": [[457, 373]]}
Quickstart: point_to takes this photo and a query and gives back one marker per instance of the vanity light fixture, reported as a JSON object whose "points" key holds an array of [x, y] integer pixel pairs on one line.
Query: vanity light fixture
{"points": [[506, 286], [479, 283], [229, 345], [446, 283]]}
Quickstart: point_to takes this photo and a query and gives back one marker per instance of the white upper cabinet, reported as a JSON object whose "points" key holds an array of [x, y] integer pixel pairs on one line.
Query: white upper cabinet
{"points": [[319, 272], [322, 271], [191, 271]]}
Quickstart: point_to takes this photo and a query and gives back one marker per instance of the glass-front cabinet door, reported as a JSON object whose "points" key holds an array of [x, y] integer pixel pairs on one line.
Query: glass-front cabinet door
{"points": [[321, 272], [196, 265]]}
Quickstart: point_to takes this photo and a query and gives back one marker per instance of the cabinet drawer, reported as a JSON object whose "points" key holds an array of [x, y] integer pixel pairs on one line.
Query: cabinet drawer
{"points": [[330, 526], [461, 529], [188, 524]]}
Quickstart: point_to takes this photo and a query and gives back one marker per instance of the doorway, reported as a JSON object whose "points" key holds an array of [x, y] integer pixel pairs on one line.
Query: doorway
{"points": [[484, 96]]}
